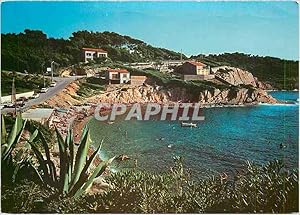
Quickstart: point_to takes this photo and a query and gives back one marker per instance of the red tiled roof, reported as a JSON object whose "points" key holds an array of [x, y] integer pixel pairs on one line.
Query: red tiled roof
{"points": [[94, 50], [196, 63], [118, 70]]}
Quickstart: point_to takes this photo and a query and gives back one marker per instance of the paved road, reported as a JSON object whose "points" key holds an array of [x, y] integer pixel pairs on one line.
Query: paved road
{"points": [[61, 83]]}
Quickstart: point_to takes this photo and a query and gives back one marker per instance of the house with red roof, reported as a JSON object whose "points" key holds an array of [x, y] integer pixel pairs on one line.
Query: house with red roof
{"points": [[194, 70], [117, 76], [93, 53]]}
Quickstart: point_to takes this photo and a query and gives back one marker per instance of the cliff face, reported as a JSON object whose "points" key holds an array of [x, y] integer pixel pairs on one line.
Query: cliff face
{"points": [[235, 97], [237, 76], [231, 76], [228, 95], [145, 94]]}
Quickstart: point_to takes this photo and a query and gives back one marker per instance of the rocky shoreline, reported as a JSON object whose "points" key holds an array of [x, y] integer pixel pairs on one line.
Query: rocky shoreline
{"points": [[152, 94], [240, 88]]}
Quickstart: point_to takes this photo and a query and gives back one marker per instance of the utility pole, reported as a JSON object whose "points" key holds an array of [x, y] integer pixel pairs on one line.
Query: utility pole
{"points": [[42, 67], [52, 67], [13, 96], [180, 54]]}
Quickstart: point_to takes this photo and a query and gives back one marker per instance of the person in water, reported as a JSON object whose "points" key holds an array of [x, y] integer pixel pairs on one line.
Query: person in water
{"points": [[122, 157]]}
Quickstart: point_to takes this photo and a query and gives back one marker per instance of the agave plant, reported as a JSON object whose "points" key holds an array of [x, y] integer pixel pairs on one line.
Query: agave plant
{"points": [[73, 178], [10, 165], [9, 142]]}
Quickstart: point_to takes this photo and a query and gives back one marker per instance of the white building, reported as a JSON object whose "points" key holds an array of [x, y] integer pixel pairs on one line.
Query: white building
{"points": [[92, 53], [117, 76]]}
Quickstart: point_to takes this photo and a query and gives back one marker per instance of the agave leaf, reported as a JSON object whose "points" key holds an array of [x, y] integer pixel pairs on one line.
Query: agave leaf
{"points": [[63, 160], [60, 140], [66, 184], [37, 173], [3, 130], [45, 145], [16, 170], [81, 179], [70, 147], [52, 174], [40, 158], [33, 135], [81, 156], [14, 136], [49, 174], [98, 171]]}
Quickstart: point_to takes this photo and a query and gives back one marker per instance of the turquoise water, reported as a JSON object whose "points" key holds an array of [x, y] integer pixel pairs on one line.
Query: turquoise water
{"points": [[222, 142]]}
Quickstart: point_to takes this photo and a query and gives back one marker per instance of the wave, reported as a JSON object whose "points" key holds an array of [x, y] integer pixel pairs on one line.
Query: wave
{"points": [[280, 104], [226, 106]]}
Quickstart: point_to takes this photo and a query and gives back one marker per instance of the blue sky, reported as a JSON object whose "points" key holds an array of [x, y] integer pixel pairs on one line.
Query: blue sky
{"points": [[260, 28]]}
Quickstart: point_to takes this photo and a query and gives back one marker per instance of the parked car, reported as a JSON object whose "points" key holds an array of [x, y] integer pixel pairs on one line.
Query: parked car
{"points": [[53, 84], [23, 99], [36, 95], [11, 105], [8, 105], [44, 90], [20, 104]]}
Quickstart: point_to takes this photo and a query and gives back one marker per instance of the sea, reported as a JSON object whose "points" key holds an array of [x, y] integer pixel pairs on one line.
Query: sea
{"points": [[223, 142]]}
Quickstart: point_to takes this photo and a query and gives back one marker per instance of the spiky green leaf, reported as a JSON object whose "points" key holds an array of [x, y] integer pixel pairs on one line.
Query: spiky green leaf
{"points": [[98, 171], [82, 177], [3, 131], [81, 155]]}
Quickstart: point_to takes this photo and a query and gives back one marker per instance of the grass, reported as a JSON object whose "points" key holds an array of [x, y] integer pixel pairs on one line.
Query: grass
{"points": [[90, 86], [23, 82]]}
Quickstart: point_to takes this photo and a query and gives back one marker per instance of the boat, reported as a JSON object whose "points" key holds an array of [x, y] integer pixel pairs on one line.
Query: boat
{"points": [[110, 122], [188, 124]]}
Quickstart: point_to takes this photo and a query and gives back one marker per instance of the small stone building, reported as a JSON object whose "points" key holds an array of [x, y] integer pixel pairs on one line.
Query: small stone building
{"points": [[137, 80], [194, 70]]}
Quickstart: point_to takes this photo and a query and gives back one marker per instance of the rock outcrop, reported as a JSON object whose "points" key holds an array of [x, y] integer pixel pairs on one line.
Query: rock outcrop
{"points": [[146, 94], [65, 98], [263, 85], [235, 97], [242, 88], [236, 76]]}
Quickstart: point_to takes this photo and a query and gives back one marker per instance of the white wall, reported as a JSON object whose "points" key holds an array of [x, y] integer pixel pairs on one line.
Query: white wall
{"points": [[99, 54], [89, 55], [124, 77], [7, 99], [111, 74]]}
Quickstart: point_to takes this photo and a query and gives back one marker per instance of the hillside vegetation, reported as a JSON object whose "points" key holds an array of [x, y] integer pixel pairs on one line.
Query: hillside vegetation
{"points": [[23, 82], [281, 74], [29, 50], [32, 48]]}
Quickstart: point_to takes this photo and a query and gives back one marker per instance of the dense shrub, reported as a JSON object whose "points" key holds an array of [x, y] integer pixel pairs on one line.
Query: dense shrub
{"points": [[256, 189]]}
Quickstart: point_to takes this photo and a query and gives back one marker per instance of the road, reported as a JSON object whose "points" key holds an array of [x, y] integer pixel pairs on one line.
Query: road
{"points": [[61, 83]]}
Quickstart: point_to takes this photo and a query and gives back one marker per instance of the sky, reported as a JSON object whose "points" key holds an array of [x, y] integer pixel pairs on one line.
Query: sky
{"points": [[258, 28]]}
